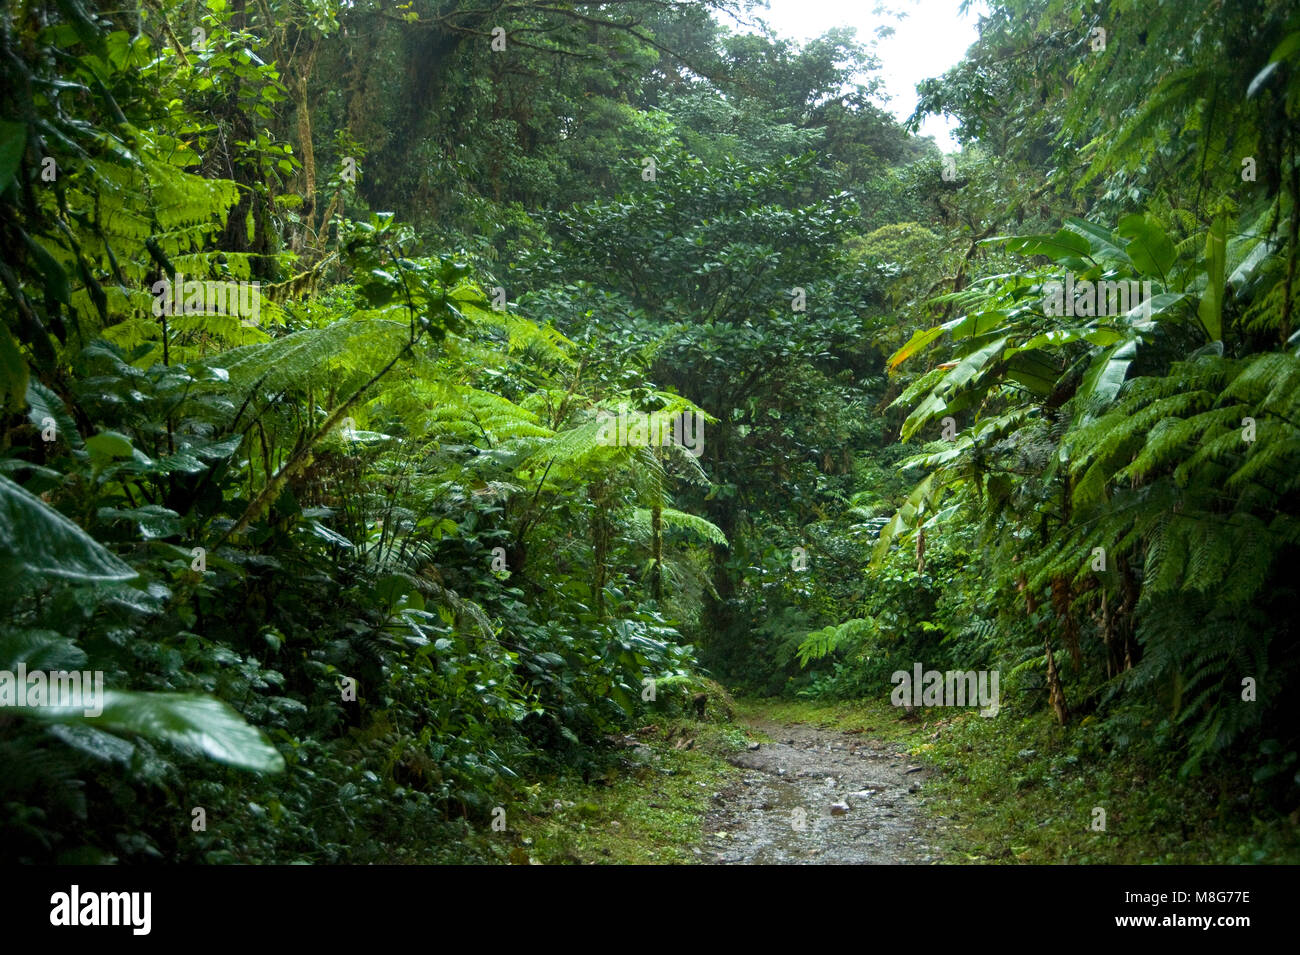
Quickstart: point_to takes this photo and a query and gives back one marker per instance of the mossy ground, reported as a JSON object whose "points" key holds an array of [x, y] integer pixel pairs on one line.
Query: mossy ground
{"points": [[1009, 790], [647, 808], [1013, 790]]}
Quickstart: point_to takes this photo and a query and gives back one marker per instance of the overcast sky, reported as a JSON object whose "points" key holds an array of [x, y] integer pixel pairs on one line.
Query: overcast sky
{"points": [[927, 41]]}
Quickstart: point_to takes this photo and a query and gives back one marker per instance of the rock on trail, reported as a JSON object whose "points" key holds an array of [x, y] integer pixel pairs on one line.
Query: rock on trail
{"points": [[819, 797]]}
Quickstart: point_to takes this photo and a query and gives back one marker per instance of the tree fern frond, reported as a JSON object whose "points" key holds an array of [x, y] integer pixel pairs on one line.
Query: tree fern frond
{"points": [[703, 529]]}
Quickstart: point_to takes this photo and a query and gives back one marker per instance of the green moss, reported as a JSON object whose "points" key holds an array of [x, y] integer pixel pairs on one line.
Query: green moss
{"points": [[649, 808], [1021, 789], [1012, 789], [875, 717]]}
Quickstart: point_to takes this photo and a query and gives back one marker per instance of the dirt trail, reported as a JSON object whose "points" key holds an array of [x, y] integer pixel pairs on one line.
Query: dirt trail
{"points": [[781, 810]]}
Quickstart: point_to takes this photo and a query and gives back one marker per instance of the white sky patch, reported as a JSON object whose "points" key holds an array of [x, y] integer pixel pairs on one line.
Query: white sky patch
{"points": [[930, 39]]}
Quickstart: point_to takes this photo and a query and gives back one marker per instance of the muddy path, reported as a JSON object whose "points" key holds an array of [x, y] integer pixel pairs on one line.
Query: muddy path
{"points": [[819, 797]]}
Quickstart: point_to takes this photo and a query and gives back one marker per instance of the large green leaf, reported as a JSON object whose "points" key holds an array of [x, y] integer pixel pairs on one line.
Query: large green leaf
{"points": [[623, 698], [1149, 246], [1060, 337], [976, 323], [1108, 371], [109, 446], [1066, 246], [1287, 48], [1158, 304], [201, 724], [1210, 309], [908, 516], [42, 403], [1035, 371], [1250, 263], [1103, 244], [917, 342], [36, 539], [39, 650], [965, 371]]}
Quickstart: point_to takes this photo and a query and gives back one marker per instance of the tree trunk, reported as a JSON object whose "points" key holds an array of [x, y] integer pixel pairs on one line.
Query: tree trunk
{"points": [[1055, 692], [600, 533], [307, 147], [657, 552]]}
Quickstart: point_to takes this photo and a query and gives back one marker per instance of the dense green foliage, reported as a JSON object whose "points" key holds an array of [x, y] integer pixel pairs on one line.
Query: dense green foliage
{"points": [[1109, 511], [353, 555]]}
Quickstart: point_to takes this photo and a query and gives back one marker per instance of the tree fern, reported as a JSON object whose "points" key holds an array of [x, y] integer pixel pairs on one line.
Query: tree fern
{"points": [[822, 643], [698, 526]]}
